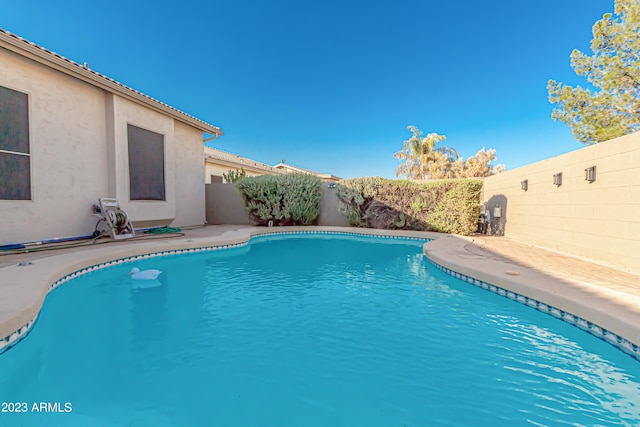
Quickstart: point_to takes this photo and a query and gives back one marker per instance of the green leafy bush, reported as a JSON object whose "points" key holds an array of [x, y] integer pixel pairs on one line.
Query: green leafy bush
{"points": [[291, 199], [449, 206]]}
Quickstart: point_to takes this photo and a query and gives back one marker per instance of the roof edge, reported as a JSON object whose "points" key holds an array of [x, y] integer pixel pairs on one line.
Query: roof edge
{"points": [[23, 47], [211, 153], [307, 171]]}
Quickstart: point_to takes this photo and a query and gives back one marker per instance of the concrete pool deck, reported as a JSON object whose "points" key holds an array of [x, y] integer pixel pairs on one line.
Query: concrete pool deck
{"points": [[603, 295]]}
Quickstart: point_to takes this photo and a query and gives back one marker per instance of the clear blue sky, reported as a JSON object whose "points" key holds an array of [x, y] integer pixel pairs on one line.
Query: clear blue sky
{"points": [[332, 85]]}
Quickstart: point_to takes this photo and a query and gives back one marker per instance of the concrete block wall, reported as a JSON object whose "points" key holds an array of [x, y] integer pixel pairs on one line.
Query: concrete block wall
{"points": [[329, 213], [598, 220], [224, 205]]}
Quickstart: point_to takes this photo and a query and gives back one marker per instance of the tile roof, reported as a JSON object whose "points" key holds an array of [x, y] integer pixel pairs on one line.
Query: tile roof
{"points": [[283, 165], [56, 61], [214, 153]]}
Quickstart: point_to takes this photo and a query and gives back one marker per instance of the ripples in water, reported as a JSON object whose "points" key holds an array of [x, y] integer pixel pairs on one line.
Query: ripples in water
{"points": [[311, 332]]}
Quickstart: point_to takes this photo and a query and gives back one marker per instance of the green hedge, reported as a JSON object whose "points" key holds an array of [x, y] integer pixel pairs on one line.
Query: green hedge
{"points": [[448, 206], [291, 199]]}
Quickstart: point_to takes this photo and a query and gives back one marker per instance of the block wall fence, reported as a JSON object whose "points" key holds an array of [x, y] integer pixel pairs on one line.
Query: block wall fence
{"points": [[596, 216], [224, 205], [550, 204]]}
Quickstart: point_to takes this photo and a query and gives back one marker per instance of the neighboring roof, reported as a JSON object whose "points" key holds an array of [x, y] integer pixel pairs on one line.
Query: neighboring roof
{"points": [[58, 62], [215, 154], [284, 166]]}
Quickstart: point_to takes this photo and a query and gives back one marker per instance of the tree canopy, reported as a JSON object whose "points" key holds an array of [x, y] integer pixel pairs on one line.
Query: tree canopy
{"points": [[418, 152], [612, 108], [477, 166], [421, 159]]}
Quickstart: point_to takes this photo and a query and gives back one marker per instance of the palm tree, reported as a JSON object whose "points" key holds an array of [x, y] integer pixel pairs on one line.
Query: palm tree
{"points": [[418, 152]]}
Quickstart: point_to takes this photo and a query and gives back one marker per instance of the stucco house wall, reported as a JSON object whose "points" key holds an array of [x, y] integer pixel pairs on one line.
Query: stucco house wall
{"points": [[78, 149], [220, 168], [127, 113], [68, 153], [598, 220], [189, 170]]}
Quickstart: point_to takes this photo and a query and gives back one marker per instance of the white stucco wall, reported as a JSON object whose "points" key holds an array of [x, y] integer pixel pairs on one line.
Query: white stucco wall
{"points": [[190, 199], [78, 145], [68, 153], [124, 113]]}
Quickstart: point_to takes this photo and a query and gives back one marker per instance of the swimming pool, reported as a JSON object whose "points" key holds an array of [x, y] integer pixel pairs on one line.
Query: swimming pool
{"points": [[308, 330]]}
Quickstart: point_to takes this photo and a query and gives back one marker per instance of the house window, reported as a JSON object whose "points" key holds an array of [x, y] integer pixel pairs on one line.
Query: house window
{"points": [[15, 160], [146, 164]]}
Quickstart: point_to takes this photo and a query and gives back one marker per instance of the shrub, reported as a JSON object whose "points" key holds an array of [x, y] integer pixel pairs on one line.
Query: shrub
{"points": [[449, 206], [291, 199], [234, 175]]}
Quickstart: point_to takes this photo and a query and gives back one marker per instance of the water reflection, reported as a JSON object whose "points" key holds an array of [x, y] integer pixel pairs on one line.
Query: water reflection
{"points": [[594, 382], [149, 317]]}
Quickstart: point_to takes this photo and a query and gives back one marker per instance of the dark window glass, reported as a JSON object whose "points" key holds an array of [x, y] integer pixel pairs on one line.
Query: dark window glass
{"points": [[146, 164], [15, 169], [14, 121], [15, 177]]}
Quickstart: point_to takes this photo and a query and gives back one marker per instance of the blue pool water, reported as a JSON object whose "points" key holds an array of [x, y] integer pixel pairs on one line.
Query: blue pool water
{"points": [[308, 330]]}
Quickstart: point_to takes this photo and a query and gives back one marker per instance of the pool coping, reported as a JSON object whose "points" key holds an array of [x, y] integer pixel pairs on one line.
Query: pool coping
{"points": [[611, 315], [23, 289]]}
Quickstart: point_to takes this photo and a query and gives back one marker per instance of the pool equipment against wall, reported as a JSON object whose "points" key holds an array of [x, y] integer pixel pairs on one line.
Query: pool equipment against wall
{"points": [[115, 219]]}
